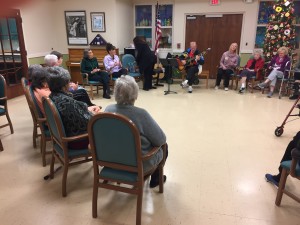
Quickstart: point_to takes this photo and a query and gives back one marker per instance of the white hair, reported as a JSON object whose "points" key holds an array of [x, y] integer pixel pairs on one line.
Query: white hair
{"points": [[258, 51], [126, 90], [51, 60]]}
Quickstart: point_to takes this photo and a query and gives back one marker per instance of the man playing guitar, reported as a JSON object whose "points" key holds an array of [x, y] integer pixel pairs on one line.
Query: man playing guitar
{"points": [[191, 66]]}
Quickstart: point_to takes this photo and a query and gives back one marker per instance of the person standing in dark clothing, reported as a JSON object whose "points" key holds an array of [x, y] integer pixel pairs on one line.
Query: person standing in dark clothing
{"points": [[145, 59]]}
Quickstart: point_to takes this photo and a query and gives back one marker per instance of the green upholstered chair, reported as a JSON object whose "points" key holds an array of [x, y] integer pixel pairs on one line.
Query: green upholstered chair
{"points": [[66, 156], [36, 125], [292, 168], [3, 104], [115, 145], [39, 122], [129, 63]]}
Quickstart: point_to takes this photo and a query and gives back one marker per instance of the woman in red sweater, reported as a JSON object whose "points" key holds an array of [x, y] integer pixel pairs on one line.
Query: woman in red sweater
{"points": [[254, 64]]}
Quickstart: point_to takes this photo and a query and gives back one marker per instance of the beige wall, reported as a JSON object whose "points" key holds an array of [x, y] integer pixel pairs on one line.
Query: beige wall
{"points": [[38, 27], [44, 22], [124, 24]]}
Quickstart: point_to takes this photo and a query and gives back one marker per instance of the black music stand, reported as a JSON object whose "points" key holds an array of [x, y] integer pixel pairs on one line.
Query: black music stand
{"points": [[168, 64]]}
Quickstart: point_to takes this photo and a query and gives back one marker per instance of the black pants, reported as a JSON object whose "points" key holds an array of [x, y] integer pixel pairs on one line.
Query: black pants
{"points": [[119, 73], [191, 74], [155, 174], [82, 96], [226, 74], [148, 73], [102, 77], [288, 152]]}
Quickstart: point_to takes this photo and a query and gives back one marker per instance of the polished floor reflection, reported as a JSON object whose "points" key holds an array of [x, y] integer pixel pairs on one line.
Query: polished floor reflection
{"points": [[220, 146]]}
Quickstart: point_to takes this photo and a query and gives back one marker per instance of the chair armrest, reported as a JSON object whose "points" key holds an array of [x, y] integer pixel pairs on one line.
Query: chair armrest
{"points": [[75, 138], [4, 98], [41, 120], [153, 151]]}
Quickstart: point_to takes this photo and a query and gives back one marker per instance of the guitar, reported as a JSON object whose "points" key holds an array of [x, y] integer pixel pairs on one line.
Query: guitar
{"points": [[190, 60]]}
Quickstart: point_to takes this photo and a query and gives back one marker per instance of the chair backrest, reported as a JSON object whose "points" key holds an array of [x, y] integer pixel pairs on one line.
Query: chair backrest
{"points": [[2, 90], [128, 61], [24, 83], [32, 108], [115, 140], [54, 121]]}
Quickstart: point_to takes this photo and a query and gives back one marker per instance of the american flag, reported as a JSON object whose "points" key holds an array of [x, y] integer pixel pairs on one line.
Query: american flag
{"points": [[158, 28]]}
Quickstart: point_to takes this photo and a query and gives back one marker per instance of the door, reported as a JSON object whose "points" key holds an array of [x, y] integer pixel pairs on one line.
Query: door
{"points": [[13, 56], [217, 33]]}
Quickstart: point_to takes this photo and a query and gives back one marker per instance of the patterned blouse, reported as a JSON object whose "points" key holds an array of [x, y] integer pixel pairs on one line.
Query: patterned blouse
{"points": [[74, 114]]}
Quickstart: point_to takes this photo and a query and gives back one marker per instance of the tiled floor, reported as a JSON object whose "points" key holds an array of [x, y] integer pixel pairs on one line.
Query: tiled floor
{"points": [[220, 146]]}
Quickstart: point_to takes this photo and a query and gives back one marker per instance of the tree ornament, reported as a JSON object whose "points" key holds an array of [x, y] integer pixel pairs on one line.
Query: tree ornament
{"points": [[287, 32], [281, 25], [278, 9], [276, 27], [287, 14], [287, 3], [270, 27]]}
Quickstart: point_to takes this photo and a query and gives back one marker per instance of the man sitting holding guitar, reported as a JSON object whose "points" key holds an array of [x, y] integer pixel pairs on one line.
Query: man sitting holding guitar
{"points": [[191, 64]]}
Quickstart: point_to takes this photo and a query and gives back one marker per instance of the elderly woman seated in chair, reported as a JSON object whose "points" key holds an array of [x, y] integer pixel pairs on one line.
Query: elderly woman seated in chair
{"points": [[126, 93], [278, 65], [75, 115], [253, 66]]}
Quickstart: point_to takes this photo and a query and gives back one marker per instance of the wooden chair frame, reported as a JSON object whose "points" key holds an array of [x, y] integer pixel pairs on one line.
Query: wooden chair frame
{"points": [[137, 187], [283, 178], [4, 98], [252, 79], [40, 123], [85, 77], [62, 142], [36, 125], [1, 146]]}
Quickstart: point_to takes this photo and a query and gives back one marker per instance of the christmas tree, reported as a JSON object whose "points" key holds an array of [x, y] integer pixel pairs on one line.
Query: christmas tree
{"points": [[280, 29]]}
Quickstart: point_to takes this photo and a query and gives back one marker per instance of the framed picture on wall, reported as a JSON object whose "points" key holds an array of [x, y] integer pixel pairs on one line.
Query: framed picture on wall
{"points": [[98, 21], [76, 27]]}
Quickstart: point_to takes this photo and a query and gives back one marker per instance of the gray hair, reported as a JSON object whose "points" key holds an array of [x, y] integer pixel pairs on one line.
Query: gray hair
{"points": [[257, 51], [50, 60], [58, 78], [126, 90]]}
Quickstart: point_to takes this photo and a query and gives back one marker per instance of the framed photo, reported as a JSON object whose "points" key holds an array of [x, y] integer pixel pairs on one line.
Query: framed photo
{"points": [[76, 27], [98, 21]]}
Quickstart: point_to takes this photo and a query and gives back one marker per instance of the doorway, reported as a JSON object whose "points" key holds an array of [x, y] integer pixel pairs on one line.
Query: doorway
{"points": [[13, 56], [216, 32]]}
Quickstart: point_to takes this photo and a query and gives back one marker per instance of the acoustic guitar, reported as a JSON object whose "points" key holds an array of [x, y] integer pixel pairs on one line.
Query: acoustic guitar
{"points": [[189, 60]]}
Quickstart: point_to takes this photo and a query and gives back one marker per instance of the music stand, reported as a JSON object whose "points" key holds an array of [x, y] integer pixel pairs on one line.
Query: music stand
{"points": [[168, 64]]}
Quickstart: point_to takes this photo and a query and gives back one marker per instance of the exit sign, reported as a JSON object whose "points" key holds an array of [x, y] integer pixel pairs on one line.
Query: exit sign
{"points": [[215, 2]]}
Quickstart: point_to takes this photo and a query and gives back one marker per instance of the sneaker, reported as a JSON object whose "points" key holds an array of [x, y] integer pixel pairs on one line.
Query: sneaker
{"points": [[270, 94], [242, 90], [261, 85], [226, 89], [184, 84], [272, 179], [155, 183], [190, 90], [216, 87]]}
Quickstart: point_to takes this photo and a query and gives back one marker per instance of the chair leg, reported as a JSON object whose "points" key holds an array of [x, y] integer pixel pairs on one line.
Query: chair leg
{"points": [[1, 146], [161, 179], [95, 198], [252, 85], [64, 179], [139, 206], [10, 124], [52, 165], [43, 150], [281, 187], [207, 82], [92, 92], [34, 135]]}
